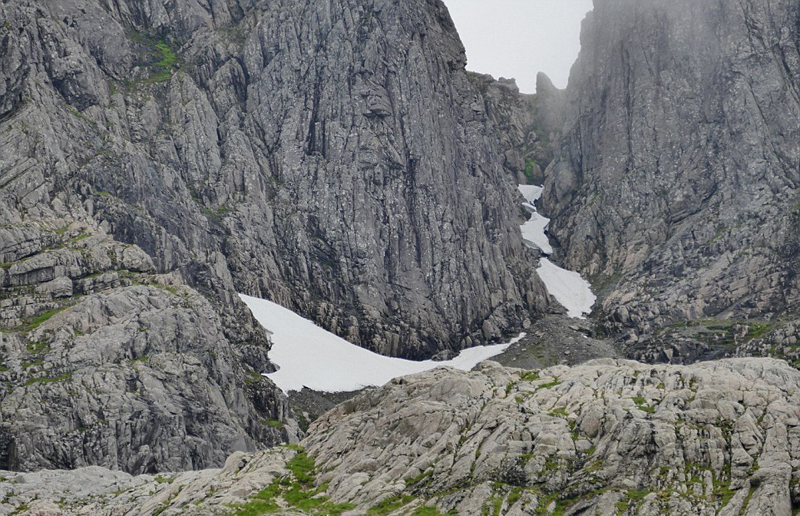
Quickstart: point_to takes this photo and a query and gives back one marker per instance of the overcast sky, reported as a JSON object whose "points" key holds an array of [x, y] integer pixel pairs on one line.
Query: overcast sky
{"points": [[518, 38]]}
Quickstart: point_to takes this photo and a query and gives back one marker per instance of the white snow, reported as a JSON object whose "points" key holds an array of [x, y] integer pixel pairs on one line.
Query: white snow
{"points": [[309, 356], [532, 193], [533, 233], [569, 288]]}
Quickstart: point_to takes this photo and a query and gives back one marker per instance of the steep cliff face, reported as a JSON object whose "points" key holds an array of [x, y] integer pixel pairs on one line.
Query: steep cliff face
{"points": [[675, 187], [334, 157], [156, 159]]}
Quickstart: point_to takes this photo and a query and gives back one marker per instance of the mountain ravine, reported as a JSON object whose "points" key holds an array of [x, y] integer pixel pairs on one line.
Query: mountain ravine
{"points": [[336, 157]]}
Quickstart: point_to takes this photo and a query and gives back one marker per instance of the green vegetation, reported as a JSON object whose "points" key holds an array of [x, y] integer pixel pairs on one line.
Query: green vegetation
{"points": [[419, 480], [22, 509], [158, 55], [32, 381], [168, 288], [164, 480], [274, 423], [35, 348], [634, 496], [432, 511], [747, 501], [389, 505], [80, 115], [168, 60], [530, 166], [35, 322], [530, 376], [550, 385], [642, 404], [756, 330], [297, 490]]}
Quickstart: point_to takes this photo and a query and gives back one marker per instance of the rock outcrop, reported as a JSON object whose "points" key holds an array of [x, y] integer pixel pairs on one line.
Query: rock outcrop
{"points": [[105, 362], [676, 183], [607, 437]]}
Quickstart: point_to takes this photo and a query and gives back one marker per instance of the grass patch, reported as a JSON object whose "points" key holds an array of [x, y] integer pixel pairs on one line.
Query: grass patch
{"points": [[158, 55], [389, 505], [431, 511], [35, 348], [168, 288], [634, 496], [302, 467], [256, 508], [82, 236], [54, 379], [530, 166], [550, 385], [642, 404], [756, 330], [35, 322]]}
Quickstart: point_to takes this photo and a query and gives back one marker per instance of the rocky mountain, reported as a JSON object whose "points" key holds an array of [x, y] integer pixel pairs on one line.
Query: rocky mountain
{"points": [[336, 157], [675, 186], [607, 437], [157, 159]]}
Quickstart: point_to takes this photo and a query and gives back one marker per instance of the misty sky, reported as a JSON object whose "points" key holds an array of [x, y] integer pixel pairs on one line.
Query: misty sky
{"points": [[518, 38]]}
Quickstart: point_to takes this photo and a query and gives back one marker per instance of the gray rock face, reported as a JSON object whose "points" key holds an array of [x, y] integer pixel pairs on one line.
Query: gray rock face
{"points": [[392, 214], [106, 363], [335, 158], [676, 184], [607, 437]]}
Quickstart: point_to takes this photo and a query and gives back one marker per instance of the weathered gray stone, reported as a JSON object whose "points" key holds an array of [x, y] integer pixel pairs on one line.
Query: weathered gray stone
{"points": [[675, 186], [662, 440]]}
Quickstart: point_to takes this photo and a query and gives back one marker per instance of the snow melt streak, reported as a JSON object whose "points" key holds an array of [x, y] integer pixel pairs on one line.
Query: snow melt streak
{"points": [[309, 356], [569, 288]]}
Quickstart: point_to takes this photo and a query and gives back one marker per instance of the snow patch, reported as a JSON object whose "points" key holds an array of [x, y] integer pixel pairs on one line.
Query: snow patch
{"points": [[309, 356], [569, 288], [533, 233], [531, 193]]}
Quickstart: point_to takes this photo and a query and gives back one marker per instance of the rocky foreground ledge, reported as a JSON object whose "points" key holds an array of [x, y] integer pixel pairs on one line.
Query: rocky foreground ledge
{"points": [[607, 437]]}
